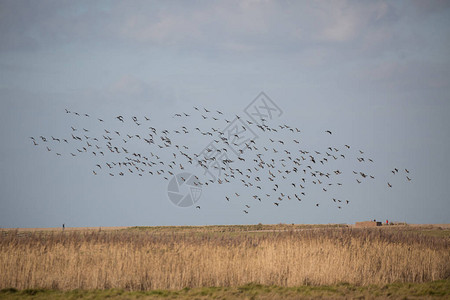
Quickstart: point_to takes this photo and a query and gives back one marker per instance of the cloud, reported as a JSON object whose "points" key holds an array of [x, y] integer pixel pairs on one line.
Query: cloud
{"points": [[211, 25], [341, 23], [128, 84], [131, 89], [344, 21], [311, 33], [271, 27], [167, 29], [234, 26]]}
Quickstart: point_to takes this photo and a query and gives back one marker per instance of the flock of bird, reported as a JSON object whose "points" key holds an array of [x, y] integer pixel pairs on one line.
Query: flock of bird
{"points": [[268, 161]]}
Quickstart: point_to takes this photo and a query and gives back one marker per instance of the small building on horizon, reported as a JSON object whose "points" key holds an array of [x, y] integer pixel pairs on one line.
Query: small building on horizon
{"points": [[368, 224]]}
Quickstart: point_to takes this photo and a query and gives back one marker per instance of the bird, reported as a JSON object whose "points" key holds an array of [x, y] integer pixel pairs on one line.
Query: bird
{"points": [[257, 168]]}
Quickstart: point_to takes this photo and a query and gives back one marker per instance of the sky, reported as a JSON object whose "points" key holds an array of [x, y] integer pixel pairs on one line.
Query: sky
{"points": [[374, 73]]}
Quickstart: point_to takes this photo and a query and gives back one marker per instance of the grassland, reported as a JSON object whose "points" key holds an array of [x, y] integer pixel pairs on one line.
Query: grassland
{"points": [[436, 289], [248, 261]]}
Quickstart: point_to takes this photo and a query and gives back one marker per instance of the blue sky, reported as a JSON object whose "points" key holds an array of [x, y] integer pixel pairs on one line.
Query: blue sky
{"points": [[375, 73]]}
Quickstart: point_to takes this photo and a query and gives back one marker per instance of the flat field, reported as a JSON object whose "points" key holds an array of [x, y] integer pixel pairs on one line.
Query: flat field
{"points": [[240, 261]]}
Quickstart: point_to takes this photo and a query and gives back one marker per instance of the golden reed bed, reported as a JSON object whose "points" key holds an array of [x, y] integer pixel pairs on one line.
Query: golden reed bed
{"points": [[142, 260]]}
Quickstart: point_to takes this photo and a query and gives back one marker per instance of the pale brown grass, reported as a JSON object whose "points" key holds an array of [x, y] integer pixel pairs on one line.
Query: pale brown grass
{"points": [[142, 260]]}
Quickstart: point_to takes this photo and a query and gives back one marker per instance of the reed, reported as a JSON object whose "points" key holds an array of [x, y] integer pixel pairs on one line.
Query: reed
{"points": [[144, 260]]}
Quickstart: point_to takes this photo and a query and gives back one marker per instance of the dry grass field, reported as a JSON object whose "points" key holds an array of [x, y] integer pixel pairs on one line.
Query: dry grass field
{"points": [[228, 258]]}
